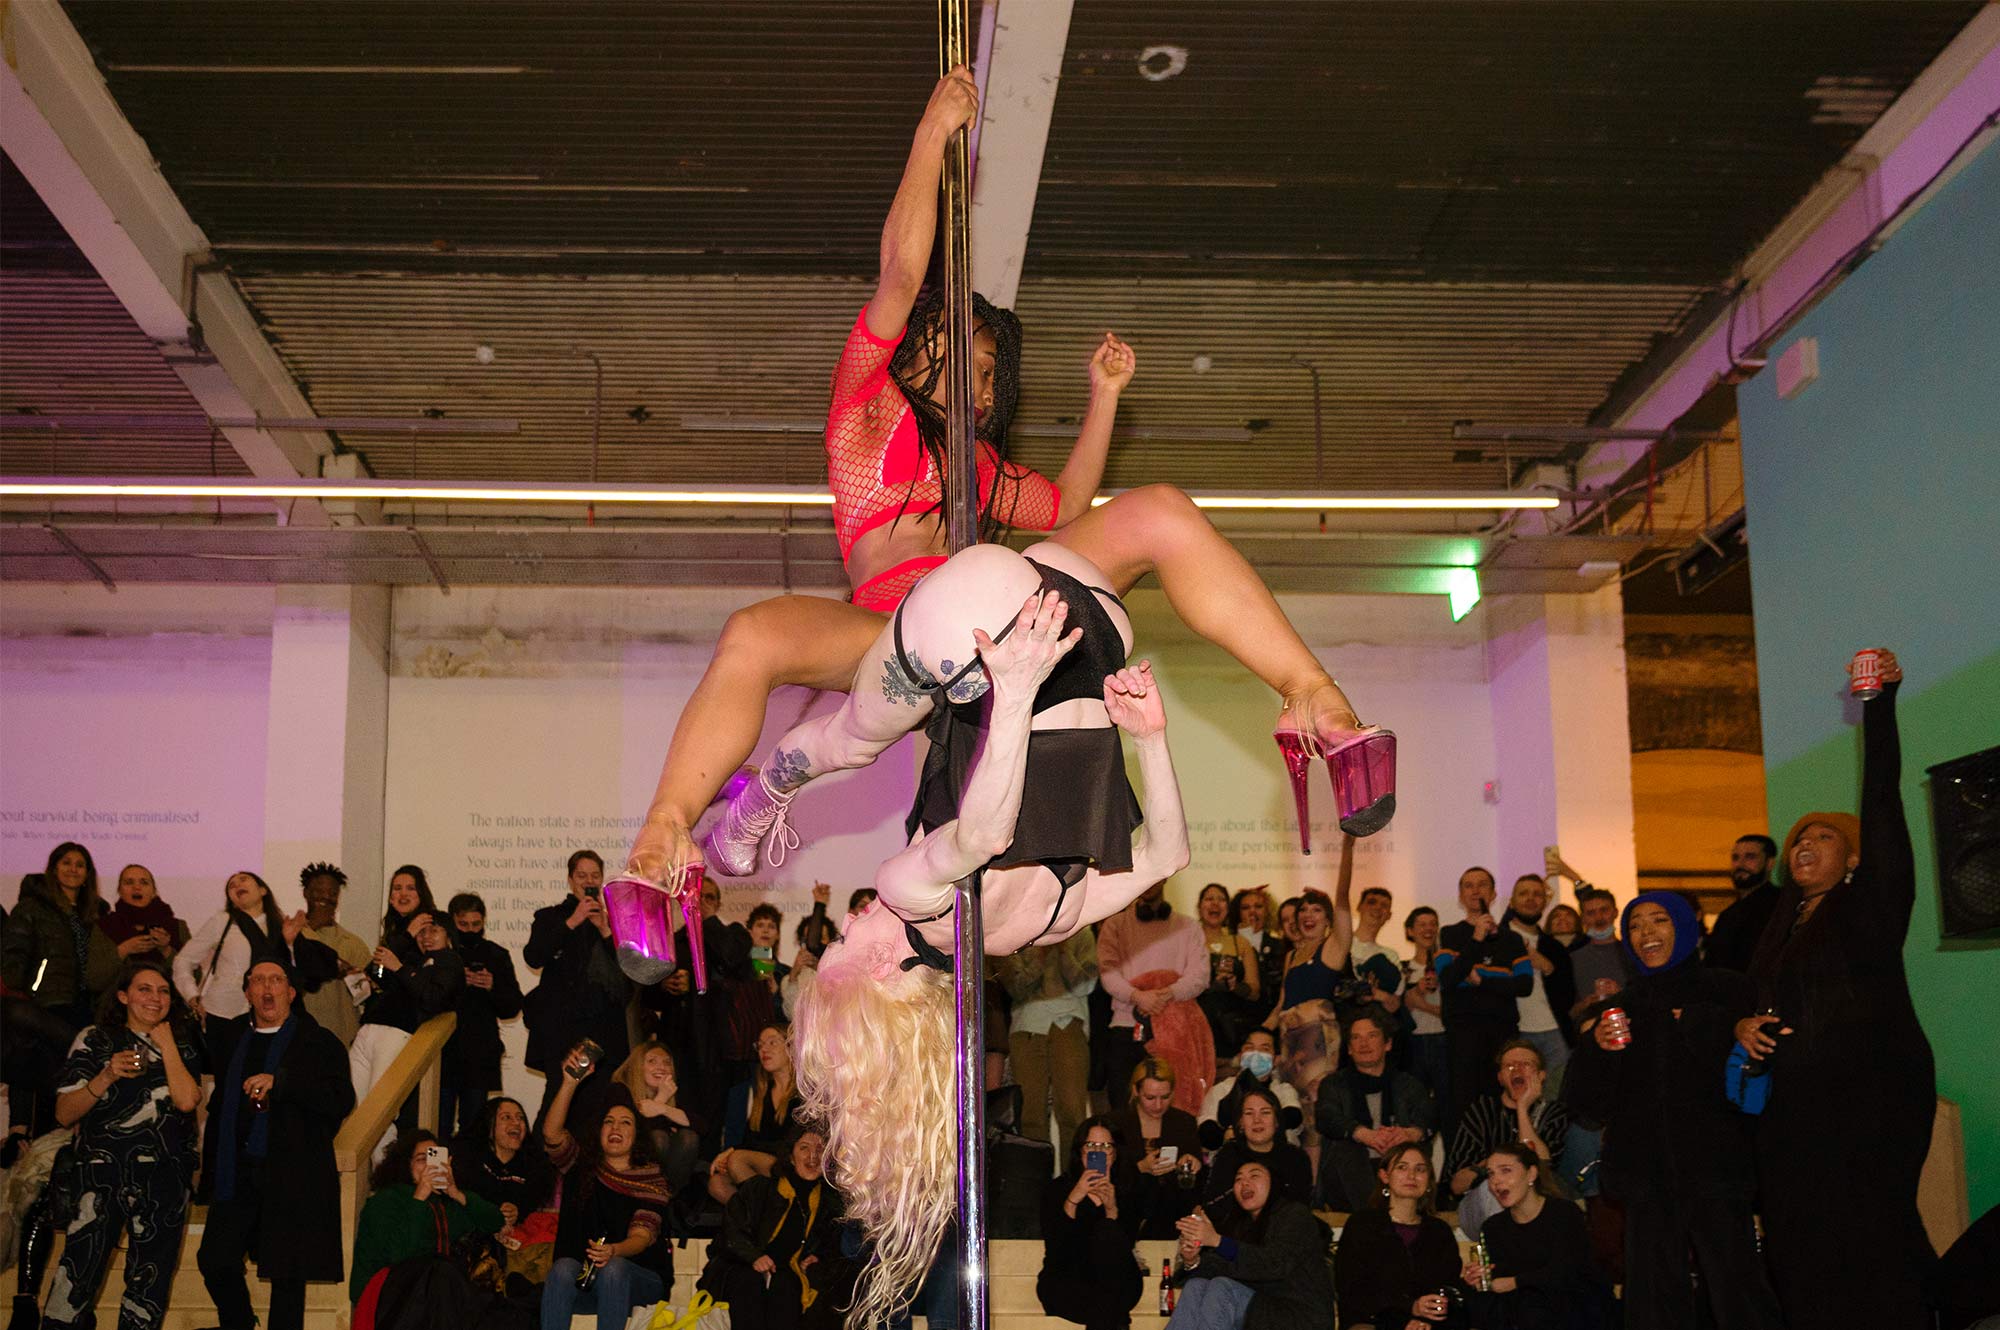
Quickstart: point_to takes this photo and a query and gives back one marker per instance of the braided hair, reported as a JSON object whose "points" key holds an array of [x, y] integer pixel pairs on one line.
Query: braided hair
{"points": [[926, 324]]}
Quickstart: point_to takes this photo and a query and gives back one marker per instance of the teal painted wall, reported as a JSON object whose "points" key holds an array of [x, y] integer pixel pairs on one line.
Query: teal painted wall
{"points": [[1874, 516]]}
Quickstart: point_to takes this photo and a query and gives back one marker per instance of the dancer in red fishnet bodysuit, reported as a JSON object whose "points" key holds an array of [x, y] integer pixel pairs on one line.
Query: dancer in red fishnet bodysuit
{"points": [[885, 460]]}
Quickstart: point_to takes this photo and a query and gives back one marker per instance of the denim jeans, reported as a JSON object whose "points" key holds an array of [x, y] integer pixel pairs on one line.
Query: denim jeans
{"points": [[620, 1286], [1212, 1304]]}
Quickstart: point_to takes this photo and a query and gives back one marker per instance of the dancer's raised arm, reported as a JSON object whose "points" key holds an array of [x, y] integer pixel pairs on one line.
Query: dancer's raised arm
{"points": [[1161, 848], [910, 231], [917, 882]]}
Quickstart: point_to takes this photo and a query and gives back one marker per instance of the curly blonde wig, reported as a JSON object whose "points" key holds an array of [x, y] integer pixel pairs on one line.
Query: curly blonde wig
{"points": [[874, 1062]]}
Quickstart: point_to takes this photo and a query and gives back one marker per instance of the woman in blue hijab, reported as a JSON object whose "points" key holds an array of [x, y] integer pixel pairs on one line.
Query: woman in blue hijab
{"points": [[1677, 1153]]}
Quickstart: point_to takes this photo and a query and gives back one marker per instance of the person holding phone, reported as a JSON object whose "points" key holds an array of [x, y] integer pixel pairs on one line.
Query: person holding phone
{"points": [[583, 993], [418, 1209], [1089, 1225], [1160, 1141], [491, 995]]}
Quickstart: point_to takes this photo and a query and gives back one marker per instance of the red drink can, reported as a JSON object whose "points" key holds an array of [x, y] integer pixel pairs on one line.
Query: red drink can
{"points": [[1864, 674], [1617, 1027]]}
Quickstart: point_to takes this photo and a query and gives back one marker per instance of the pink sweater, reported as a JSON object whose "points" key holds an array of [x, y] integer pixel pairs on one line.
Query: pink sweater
{"points": [[1128, 946]]}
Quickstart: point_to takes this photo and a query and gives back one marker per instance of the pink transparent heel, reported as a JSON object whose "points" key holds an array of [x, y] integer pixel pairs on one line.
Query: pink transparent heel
{"points": [[636, 908], [1363, 772]]}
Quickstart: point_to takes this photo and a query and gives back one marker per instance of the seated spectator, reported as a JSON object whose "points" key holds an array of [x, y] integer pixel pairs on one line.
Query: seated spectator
{"points": [[1677, 1153], [1539, 1251], [1258, 1262], [141, 923], [1258, 1137], [757, 1117], [778, 1263], [1366, 1109], [1397, 1267], [1154, 966], [1256, 1064], [1429, 1051], [1089, 1270], [417, 1209], [671, 1132], [1161, 1146], [52, 984], [1250, 914], [421, 977], [131, 1086], [332, 1004], [613, 1212], [501, 1161], [1234, 1000], [1565, 925], [1523, 1114], [491, 995], [1048, 1031]]}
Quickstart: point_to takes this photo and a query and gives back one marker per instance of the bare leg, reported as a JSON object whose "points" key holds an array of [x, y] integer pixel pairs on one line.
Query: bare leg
{"points": [[1157, 529], [810, 641]]}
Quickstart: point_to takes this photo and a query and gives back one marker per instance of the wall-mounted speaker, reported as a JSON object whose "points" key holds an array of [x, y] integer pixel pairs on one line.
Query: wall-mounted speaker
{"points": [[1965, 817]]}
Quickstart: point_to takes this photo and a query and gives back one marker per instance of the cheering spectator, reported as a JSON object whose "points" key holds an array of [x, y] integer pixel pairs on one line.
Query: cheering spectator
{"points": [[209, 971], [417, 1209], [421, 977], [582, 994], [1733, 942], [1048, 1034], [812, 937], [1258, 1264], [1371, 915], [131, 1087], [1259, 1136], [1162, 1149], [269, 1151], [1543, 1011], [491, 995], [778, 1263], [54, 953], [757, 1117], [671, 1131], [1398, 1267], [1366, 1109], [1677, 1153], [1483, 971], [332, 1004], [1539, 1272], [612, 1189], [1154, 966], [1565, 925], [766, 924], [1250, 914], [1521, 1114], [1430, 1057], [505, 1163], [1256, 1065], [141, 922], [1089, 1223], [1232, 1002]]}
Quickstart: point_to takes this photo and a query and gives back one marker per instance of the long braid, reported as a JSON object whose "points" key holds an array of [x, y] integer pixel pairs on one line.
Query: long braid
{"points": [[926, 324]]}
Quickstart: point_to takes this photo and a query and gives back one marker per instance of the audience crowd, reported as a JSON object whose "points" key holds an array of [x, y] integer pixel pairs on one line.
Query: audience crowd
{"points": [[1548, 1082]]}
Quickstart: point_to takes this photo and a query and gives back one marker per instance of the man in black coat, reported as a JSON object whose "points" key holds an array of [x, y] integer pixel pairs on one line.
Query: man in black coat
{"points": [[1364, 1110], [1733, 941], [491, 995], [276, 1108], [582, 994], [1483, 972]]}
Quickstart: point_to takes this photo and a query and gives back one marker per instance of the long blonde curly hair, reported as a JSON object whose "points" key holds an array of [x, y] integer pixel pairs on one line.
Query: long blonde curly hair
{"points": [[874, 1062]]}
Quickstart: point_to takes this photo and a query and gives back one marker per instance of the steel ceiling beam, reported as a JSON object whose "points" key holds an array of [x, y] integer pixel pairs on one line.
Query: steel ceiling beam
{"points": [[1020, 63], [73, 144]]}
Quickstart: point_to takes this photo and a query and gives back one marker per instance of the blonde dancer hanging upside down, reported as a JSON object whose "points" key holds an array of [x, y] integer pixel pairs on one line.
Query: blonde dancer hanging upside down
{"points": [[885, 460], [874, 1032]]}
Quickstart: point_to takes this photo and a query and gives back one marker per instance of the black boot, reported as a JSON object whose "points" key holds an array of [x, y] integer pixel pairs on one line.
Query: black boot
{"points": [[38, 1236]]}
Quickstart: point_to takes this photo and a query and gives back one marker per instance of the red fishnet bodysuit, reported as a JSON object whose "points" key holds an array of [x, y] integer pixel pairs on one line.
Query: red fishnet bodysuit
{"points": [[873, 455]]}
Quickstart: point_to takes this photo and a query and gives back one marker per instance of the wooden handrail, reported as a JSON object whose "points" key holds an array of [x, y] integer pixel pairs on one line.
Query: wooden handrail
{"points": [[417, 1067]]}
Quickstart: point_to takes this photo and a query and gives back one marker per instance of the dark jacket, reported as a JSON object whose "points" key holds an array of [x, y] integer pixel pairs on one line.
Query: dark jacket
{"points": [[38, 930], [582, 993], [1379, 1278], [762, 1219], [429, 983], [1076, 1248], [1291, 1171], [475, 1044], [1281, 1255], [1732, 943], [1504, 974], [1343, 1105], [527, 1180], [1158, 1200], [311, 1094]]}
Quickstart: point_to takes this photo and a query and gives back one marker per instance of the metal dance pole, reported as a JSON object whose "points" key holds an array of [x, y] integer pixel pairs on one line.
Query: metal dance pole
{"points": [[962, 530]]}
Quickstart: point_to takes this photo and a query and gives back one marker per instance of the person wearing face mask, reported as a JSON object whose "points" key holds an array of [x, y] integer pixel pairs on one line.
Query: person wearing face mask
{"points": [[1676, 1152], [1256, 1066], [1599, 966], [1853, 1082], [1732, 943], [491, 995]]}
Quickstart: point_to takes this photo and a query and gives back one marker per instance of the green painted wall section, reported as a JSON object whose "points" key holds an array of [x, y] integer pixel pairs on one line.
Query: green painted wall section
{"points": [[1957, 990]]}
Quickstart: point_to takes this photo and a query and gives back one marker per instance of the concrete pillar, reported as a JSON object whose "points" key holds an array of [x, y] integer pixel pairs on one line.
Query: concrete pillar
{"points": [[327, 743], [1561, 736]]}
